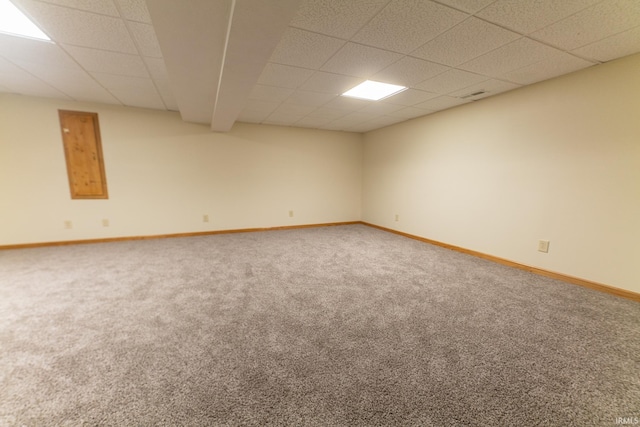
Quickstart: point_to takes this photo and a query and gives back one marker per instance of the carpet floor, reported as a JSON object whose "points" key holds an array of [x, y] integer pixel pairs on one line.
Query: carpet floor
{"points": [[332, 326]]}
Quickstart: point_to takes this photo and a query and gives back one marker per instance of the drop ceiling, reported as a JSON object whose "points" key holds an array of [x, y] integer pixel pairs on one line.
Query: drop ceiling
{"points": [[286, 62]]}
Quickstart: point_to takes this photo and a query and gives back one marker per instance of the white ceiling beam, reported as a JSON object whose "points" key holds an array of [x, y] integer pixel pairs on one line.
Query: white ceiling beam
{"points": [[256, 28], [215, 52], [192, 36]]}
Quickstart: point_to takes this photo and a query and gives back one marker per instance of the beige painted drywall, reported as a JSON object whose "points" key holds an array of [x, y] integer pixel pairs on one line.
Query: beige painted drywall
{"points": [[558, 160], [164, 174]]}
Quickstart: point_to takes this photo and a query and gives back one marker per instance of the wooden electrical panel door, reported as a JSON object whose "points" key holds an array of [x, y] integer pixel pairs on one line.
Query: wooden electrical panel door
{"points": [[83, 152]]}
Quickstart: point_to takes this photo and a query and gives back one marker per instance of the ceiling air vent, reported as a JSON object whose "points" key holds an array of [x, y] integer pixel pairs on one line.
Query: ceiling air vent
{"points": [[471, 95]]}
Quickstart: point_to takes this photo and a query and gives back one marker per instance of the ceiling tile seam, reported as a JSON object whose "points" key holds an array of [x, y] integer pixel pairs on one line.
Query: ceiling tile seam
{"points": [[504, 27], [87, 72], [141, 56], [343, 45], [569, 16], [370, 19], [37, 78], [315, 109], [446, 31], [504, 79], [294, 66], [354, 33], [463, 11], [104, 50], [415, 86], [81, 10], [597, 61], [320, 70], [571, 52]]}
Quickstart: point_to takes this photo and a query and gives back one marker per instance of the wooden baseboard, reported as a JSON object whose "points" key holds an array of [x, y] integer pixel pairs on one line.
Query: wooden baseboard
{"points": [[563, 277], [164, 236]]}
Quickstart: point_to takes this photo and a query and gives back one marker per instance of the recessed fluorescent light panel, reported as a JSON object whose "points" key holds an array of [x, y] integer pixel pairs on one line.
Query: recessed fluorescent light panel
{"points": [[16, 23], [373, 91]]}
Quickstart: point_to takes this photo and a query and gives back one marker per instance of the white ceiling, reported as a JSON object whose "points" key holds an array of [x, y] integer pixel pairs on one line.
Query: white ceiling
{"points": [[286, 62]]}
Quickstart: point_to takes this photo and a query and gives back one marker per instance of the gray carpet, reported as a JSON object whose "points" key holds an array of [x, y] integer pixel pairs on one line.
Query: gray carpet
{"points": [[334, 326]]}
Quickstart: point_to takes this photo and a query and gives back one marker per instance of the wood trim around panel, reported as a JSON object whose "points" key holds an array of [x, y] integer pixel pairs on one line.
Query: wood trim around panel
{"points": [[559, 276], [83, 154], [164, 236]]}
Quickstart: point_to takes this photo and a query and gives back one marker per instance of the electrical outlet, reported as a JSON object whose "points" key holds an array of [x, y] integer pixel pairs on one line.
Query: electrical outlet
{"points": [[205, 218], [397, 217], [105, 222], [68, 225], [543, 246], [290, 214]]}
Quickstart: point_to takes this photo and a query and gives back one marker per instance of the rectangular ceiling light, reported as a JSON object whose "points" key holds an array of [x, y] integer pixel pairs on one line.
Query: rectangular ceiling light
{"points": [[14, 22], [373, 91]]}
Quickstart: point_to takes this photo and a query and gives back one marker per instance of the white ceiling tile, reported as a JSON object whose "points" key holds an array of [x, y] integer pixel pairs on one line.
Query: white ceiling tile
{"points": [[157, 68], [291, 109], [450, 81], [327, 112], [622, 44], [305, 49], [330, 83], [410, 97], [512, 56], [355, 117], [283, 119], [344, 123], [404, 25], [489, 87], [113, 81], [336, 18], [561, 63], [248, 116], [377, 123], [409, 71], [146, 39], [526, 16], [348, 104], [441, 103], [270, 93], [102, 7], [164, 88], [331, 126], [79, 28], [362, 127], [590, 25], [143, 97], [284, 75], [17, 80], [74, 82], [35, 51], [135, 10], [260, 106], [410, 112], [313, 122], [380, 108], [108, 62], [303, 97], [358, 60], [470, 6], [464, 42]]}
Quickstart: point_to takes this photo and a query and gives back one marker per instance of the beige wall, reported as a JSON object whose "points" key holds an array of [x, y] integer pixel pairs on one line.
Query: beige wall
{"points": [[559, 160], [163, 175]]}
